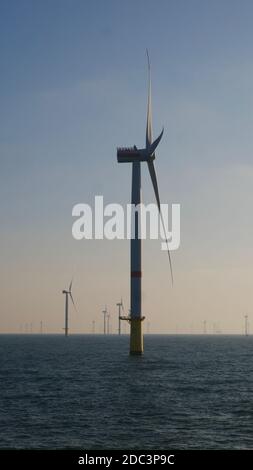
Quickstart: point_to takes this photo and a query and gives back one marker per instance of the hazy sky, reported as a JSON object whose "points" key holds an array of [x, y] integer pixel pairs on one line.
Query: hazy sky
{"points": [[73, 86]]}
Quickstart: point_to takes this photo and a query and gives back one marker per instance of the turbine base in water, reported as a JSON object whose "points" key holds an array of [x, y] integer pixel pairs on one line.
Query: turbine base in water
{"points": [[136, 336]]}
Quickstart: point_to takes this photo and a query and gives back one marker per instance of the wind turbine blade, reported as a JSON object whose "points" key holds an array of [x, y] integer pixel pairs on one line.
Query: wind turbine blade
{"points": [[72, 300], [149, 111], [153, 146], [152, 173], [70, 285]]}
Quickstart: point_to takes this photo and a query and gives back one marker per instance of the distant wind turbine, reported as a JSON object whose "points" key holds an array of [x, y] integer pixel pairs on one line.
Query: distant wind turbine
{"points": [[136, 156], [67, 294], [105, 314], [108, 323], [246, 325], [120, 306]]}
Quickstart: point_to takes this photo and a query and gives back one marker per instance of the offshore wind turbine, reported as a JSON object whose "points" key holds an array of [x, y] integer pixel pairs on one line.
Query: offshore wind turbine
{"points": [[246, 325], [108, 323], [67, 294], [136, 156], [105, 315], [120, 306]]}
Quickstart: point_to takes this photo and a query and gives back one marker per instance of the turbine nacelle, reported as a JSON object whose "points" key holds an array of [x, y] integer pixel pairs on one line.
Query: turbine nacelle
{"points": [[69, 292], [133, 154]]}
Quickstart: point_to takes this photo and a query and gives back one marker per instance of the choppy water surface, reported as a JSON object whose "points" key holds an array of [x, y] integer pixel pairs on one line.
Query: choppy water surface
{"points": [[86, 392]]}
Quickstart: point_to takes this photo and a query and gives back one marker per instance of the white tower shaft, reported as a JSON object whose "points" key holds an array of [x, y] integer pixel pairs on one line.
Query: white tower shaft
{"points": [[66, 314]]}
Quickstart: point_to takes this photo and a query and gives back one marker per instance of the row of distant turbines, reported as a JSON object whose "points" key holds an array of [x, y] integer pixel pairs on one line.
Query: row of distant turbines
{"points": [[68, 294], [107, 316], [215, 329], [122, 316], [28, 328]]}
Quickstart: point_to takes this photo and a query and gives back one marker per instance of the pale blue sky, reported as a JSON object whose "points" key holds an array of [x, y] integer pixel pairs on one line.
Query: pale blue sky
{"points": [[73, 85]]}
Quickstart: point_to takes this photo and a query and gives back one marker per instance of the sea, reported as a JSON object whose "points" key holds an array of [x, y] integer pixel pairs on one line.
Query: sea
{"points": [[86, 392]]}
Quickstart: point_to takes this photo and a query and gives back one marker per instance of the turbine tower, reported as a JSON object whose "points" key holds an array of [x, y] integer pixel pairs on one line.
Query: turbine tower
{"points": [[136, 156], [105, 315], [246, 325], [120, 306], [67, 294], [108, 323]]}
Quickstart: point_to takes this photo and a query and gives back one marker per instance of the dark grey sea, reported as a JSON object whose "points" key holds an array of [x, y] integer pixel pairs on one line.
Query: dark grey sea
{"points": [[86, 392]]}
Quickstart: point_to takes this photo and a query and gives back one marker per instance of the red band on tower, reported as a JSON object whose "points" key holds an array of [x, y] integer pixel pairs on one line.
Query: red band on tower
{"points": [[136, 274]]}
